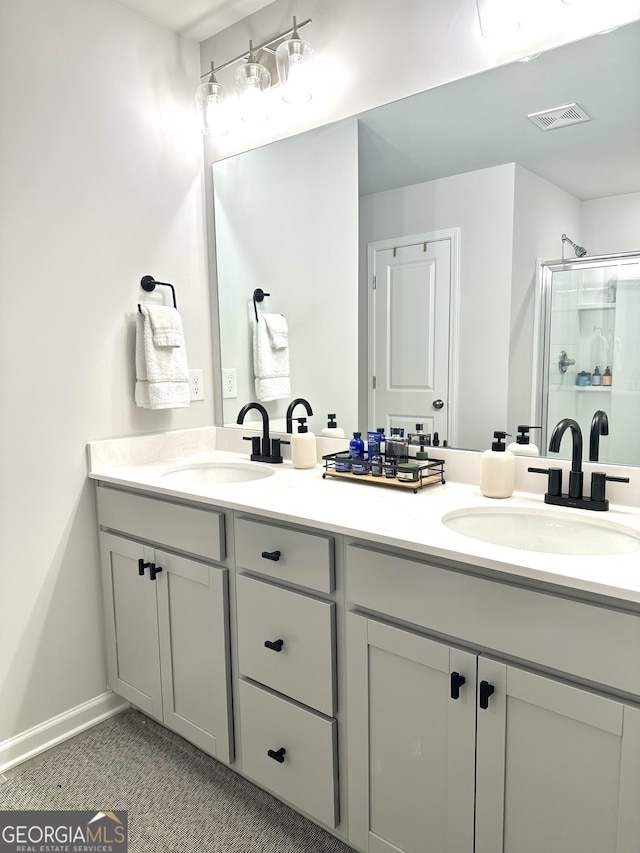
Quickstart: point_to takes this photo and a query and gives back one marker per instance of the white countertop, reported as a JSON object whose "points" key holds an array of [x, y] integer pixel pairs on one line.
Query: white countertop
{"points": [[381, 515]]}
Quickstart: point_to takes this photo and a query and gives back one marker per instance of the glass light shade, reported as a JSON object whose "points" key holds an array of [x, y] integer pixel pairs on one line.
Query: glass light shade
{"points": [[294, 59], [498, 17], [252, 81], [212, 109]]}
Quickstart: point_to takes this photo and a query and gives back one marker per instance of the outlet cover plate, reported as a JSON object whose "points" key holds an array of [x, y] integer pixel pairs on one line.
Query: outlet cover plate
{"points": [[196, 385], [229, 383]]}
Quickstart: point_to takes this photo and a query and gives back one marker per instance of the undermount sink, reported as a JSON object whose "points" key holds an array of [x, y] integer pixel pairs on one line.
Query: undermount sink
{"points": [[549, 531], [218, 472]]}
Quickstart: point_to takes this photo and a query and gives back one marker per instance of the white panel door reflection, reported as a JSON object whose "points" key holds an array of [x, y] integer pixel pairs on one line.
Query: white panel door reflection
{"points": [[410, 327]]}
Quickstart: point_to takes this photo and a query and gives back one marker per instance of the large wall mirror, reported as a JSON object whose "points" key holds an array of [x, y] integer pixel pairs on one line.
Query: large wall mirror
{"points": [[454, 185]]}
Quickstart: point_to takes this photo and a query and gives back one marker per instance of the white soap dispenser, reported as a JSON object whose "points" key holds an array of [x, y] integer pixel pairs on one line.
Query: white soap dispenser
{"points": [[497, 469], [523, 446], [303, 446], [332, 430]]}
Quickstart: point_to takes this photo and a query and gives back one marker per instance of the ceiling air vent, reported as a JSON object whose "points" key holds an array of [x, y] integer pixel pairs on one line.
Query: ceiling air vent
{"points": [[559, 117]]}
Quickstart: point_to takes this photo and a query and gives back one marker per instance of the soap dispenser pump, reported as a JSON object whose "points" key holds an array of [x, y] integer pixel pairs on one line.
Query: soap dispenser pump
{"points": [[332, 430], [303, 446], [523, 446], [497, 469]]}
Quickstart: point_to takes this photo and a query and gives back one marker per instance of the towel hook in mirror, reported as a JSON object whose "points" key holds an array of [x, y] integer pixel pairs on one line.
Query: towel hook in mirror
{"points": [[258, 296], [148, 283]]}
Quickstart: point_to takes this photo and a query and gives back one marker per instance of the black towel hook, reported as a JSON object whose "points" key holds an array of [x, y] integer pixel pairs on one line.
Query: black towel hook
{"points": [[258, 296], [148, 283]]}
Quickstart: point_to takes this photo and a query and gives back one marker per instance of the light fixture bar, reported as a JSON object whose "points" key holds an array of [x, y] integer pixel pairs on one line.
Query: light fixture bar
{"points": [[256, 48]]}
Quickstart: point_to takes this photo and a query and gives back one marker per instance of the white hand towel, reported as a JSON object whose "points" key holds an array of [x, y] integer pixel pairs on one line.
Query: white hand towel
{"points": [[278, 330], [271, 364], [166, 325], [162, 376]]}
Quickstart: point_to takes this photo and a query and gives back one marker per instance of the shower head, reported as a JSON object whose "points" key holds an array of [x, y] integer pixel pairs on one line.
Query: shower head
{"points": [[579, 250]]}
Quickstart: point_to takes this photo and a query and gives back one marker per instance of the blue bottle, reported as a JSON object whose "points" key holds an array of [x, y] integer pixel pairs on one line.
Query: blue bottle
{"points": [[356, 446]]}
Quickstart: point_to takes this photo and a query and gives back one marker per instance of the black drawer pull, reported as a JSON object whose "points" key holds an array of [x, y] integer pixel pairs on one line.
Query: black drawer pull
{"points": [[486, 690], [271, 555], [274, 645], [277, 755], [457, 681], [142, 566], [153, 571]]}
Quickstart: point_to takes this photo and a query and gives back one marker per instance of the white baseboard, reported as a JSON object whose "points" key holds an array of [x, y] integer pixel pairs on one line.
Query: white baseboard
{"points": [[28, 744]]}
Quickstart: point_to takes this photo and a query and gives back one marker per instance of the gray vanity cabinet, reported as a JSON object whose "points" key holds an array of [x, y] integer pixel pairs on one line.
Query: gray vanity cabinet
{"points": [[558, 767], [411, 746], [521, 761], [287, 664], [167, 622]]}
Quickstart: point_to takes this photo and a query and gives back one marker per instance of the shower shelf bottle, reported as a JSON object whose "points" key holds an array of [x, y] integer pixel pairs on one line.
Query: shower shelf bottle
{"points": [[497, 469]]}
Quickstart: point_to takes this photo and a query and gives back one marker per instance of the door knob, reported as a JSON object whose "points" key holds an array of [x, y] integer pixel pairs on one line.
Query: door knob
{"points": [[438, 404], [274, 645]]}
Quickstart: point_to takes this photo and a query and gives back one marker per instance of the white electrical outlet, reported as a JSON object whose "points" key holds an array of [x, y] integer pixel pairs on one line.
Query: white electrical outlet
{"points": [[196, 385], [229, 383]]}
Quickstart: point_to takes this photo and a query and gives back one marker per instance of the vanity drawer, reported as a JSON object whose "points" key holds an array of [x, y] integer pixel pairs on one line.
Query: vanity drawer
{"points": [[305, 559], [183, 528], [307, 775], [304, 666], [594, 643]]}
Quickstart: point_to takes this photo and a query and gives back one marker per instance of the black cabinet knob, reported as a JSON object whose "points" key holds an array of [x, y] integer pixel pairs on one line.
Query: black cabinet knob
{"points": [[271, 555], [277, 754], [142, 566], [486, 690], [274, 645], [153, 571], [457, 681]]}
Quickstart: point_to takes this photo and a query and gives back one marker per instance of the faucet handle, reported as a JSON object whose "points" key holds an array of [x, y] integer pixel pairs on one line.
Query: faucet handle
{"points": [[554, 484], [598, 484], [276, 455], [255, 444]]}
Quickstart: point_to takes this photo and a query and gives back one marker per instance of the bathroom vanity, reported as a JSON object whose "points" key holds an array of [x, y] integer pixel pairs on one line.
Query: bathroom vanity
{"points": [[406, 687]]}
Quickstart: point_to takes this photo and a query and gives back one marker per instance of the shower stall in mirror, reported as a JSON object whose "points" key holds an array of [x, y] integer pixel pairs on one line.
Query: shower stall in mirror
{"points": [[590, 344]]}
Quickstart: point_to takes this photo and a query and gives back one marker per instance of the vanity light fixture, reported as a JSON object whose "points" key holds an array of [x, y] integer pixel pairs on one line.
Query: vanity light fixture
{"points": [[287, 51], [252, 80], [294, 58], [212, 108]]}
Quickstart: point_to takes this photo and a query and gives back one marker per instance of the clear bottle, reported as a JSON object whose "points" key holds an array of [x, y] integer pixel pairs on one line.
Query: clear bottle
{"points": [[332, 430], [303, 446], [497, 469], [523, 446]]}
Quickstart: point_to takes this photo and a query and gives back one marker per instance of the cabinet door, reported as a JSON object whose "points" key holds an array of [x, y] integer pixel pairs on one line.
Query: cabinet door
{"points": [[558, 767], [131, 624], [411, 745], [194, 648]]}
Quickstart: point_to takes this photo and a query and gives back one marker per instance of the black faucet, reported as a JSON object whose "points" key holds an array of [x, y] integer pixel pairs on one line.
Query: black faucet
{"points": [[575, 498], [270, 449], [599, 426], [576, 476], [298, 401]]}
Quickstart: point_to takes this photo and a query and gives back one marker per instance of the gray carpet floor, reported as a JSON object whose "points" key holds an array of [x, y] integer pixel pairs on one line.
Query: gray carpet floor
{"points": [[178, 799]]}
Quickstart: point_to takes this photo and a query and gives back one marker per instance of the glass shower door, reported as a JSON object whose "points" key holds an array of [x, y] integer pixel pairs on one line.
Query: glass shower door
{"points": [[591, 351]]}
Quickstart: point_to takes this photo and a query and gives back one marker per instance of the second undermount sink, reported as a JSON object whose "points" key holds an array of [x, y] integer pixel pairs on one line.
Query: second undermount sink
{"points": [[549, 531], [217, 472]]}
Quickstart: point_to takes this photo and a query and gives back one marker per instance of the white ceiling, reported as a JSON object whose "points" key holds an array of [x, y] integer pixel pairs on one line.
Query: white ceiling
{"points": [[195, 19], [481, 121]]}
